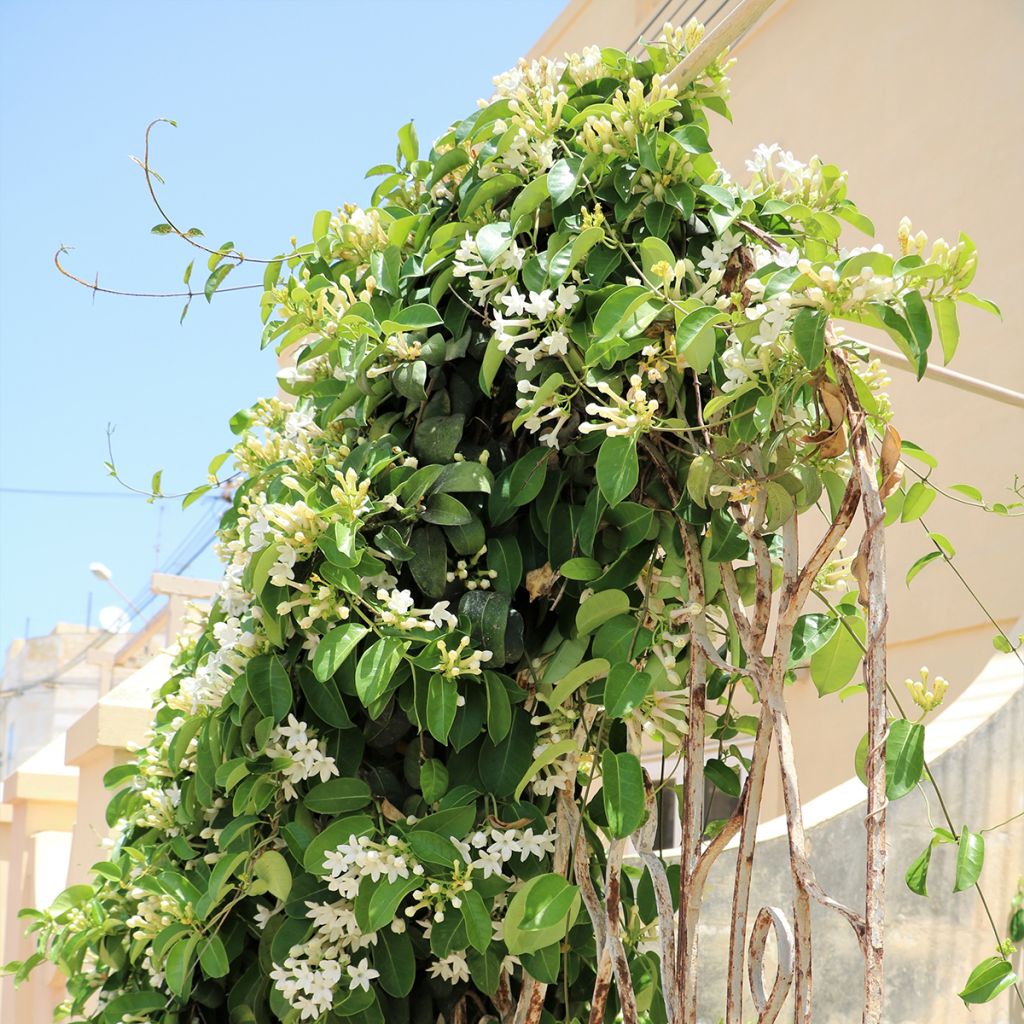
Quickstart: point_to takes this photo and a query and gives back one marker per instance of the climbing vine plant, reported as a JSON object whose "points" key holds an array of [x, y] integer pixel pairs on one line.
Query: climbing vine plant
{"points": [[572, 432]]}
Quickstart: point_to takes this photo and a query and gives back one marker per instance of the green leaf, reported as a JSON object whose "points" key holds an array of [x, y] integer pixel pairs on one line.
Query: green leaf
{"points": [[904, 758], [810, 634], [436, 439], [338, 796], [272, 870], [693, 138], [724, 777], [835, 664], [948, 325], [973, 300], [444, 510], [487, 192], [562, 177], [376, 669], [477, 918], [492, 240], [624, 690], [659, 218], [899, 330], [917, 873], [599, 608], [583, 569], [335, 647], [698, 477], [549, 754], [417, 317], [216, 279], [540, 913], [568, 684], [395, 960], [992, 976], [917, 317], [616, 310], [809, 336], [921, 563], [917, 502], [433, 780], [622, 789], [526, 201], [502, 764], [499, 708], [408, 143], [269, 685], [429, 562], [321, 224], [618, 468], [377, 905], [970, 857], [179, 964], [693, 323], [442, 701]]}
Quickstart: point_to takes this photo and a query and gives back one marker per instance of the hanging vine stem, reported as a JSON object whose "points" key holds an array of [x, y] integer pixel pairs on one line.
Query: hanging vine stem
{"points": [[185, 236], [94, 286]]}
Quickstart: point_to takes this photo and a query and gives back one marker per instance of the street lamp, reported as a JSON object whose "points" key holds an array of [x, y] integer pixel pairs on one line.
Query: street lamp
{"points": [[102, 572]]}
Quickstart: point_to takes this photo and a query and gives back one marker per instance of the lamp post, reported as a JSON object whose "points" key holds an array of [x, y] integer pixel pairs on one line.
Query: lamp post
{"points": [[102, 572]]}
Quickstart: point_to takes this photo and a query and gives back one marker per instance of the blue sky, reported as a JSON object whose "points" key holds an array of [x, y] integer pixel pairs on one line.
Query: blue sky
{"points": [[281, 107]]}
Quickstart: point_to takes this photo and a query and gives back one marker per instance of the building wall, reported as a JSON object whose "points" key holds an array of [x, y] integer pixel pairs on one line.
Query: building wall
{"points": [[914, 99], [68, 678]]}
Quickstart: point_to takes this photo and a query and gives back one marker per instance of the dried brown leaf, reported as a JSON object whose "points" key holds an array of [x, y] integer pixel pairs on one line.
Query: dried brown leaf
{"points": [[539, 582]]}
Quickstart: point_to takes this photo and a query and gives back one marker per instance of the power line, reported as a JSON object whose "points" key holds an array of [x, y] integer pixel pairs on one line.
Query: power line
{"points": [[67, 494]]}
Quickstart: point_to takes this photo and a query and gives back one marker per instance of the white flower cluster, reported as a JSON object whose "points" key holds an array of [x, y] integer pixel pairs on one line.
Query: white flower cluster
{"points": [[396, 611], [237, 641], [490, 849], [313, 971], [362, 857], [553, 727], [624, 417], [295, 741], [778, 172]]}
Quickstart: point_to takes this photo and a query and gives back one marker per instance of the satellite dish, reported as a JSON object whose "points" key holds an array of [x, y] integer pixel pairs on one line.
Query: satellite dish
{"points": [[114, 619]]}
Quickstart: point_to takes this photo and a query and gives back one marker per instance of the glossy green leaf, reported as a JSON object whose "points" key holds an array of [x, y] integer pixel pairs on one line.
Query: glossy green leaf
{"points": [[618, 468], [335, 647], [338, 796], [904, 757], [948, 325], [970, 858], [624, 690], [269, 685], [622, 789], [599, 608], [442, 701], [561, 179], [809, 336], [376, 668], [992, 976], [917, 502], [835, 664], [395, 961]]}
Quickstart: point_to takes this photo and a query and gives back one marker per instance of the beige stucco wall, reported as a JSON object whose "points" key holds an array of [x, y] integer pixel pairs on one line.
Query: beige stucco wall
{"points": [[916, 100]]}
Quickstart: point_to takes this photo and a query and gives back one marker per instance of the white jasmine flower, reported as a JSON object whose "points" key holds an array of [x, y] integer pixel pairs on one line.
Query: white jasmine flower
{"points": [[361, 974]]}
